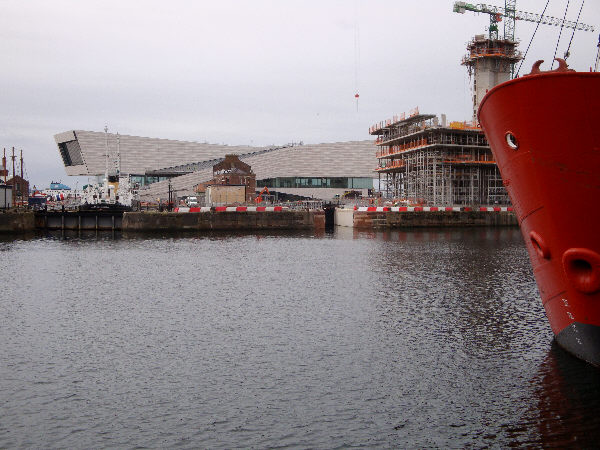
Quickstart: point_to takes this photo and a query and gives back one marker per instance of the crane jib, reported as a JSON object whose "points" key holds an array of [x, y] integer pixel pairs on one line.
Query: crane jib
{"points": [[497, 12]]}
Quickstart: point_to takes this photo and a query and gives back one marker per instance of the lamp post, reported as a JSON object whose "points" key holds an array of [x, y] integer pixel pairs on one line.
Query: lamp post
{"points": [[170, 204]]}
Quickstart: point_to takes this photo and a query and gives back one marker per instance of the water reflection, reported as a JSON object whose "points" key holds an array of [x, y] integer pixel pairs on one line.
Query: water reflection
{"points": [[11, 237], [91, 235], [568, 401], [431, 234], [413, 339], [476, 284]]}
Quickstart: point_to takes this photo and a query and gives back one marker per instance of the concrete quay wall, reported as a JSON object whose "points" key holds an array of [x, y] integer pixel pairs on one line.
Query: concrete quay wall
{"points": [[78, 220], [251, 220], [421, 219], [235, 220], [17, 222]]}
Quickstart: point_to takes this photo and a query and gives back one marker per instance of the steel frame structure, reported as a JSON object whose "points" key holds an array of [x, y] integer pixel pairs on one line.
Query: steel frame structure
{"points": [[425, 163]]}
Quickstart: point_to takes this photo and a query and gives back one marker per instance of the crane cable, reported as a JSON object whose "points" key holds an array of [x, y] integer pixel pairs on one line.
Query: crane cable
{"points": [[531, 40], [597, 55], [560, 33], [356, 53], [567, 53]]}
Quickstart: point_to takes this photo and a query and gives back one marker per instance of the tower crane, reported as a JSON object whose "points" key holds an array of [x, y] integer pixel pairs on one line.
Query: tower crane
{"points": [[492, 60], [510, 15]]}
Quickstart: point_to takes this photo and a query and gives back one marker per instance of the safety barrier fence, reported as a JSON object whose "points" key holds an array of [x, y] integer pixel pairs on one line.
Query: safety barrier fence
{"points": [[231, 209], [387, 138], [488, 51], [395, 149], [394, 120], [431, 208], [399, 163], [395, 164], [356, 208]]}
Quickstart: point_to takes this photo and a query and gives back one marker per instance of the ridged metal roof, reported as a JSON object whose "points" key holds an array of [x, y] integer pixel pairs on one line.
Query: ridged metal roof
{"points": [[339, 159], [140, 155]]}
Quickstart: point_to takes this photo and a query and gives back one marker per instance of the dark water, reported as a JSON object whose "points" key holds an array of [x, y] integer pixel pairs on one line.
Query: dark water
{"points": [[400, 339]]}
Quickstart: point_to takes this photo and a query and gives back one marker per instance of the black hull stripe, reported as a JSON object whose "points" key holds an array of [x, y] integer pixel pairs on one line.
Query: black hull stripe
{"points": [[582, 340]]}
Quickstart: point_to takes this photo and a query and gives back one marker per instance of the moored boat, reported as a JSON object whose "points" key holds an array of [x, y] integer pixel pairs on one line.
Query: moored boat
{"points": [[114, 193], [543, 130]]}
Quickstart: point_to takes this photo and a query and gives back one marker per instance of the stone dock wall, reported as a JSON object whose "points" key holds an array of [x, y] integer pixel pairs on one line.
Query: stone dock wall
{"points": [[421, 219], [235, 220], [79, 220], [17, 222]]}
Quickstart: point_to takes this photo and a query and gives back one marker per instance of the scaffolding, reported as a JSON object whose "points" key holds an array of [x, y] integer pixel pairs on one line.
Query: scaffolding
{"points": [[424, 162], [489, 62]]}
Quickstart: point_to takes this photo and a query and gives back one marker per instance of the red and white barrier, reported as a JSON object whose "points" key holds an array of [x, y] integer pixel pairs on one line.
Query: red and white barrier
{"points": [[248, 208], [495, 208], [429, 208], [185, 209]]}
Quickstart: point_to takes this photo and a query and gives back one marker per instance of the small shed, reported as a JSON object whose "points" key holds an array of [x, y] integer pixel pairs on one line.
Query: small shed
{"points": [[222, 194], [6, 191]]}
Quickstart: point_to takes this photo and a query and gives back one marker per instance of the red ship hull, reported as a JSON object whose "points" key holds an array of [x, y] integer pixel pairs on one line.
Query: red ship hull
{"points": [[544, 131]]}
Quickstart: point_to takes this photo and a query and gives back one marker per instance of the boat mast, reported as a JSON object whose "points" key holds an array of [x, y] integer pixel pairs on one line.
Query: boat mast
{"points": [[106, 150], [597, 54], [118, 161]]}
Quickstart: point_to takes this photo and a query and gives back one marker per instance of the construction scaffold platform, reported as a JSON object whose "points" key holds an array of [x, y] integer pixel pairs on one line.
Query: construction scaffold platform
{"points": [[424, 161]]}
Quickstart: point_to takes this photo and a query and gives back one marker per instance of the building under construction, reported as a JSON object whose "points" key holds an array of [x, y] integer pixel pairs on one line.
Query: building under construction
{"points": [[422, 160], [489, 63]]}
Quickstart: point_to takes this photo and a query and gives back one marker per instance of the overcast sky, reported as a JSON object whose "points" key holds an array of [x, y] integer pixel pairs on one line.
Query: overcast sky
{"points": [[255, 72]]}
